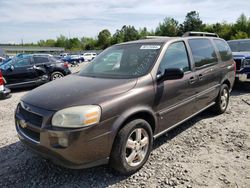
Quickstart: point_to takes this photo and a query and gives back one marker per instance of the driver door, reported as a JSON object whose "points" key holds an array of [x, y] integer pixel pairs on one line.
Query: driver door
{"points": [[20, 71], [176, 98]]}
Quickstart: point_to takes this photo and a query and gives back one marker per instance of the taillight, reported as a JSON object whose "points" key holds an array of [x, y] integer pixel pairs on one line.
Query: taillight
{"points": [[1, 78], [66, 65]]}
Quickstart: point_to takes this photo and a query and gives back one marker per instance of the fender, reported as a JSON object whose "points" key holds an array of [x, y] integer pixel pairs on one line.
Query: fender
{"points": [[131, 112]]}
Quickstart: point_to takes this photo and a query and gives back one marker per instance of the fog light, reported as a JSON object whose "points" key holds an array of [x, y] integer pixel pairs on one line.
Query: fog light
{"points": [[63, 142]]}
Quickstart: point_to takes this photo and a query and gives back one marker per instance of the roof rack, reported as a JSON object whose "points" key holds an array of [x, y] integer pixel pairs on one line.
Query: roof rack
{"points": [[203, 34], [157, 37]]}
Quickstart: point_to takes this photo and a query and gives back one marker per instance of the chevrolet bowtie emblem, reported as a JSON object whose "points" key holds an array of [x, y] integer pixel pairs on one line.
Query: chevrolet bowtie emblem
{"points": [[23, 124]]}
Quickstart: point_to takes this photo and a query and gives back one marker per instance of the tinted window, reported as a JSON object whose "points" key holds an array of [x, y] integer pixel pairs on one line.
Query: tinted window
{"points": [[203, 52], [224, 50], [22, 62], [38, 59], [175, 57]]}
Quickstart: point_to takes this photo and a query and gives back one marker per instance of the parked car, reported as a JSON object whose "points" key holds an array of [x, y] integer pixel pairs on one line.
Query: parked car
{"points": [[1, 60], [111, 112], [73, 59], [241, 54], [32, 70], [4, 92], [89, 56]]}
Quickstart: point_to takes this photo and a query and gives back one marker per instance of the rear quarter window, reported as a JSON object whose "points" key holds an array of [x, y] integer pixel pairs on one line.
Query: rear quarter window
{"points": [[39, 60], [224, 50], [203, 52]]}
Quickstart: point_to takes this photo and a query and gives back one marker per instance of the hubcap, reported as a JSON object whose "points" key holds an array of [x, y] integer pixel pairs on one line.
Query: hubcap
{"points": [[224, 99], [56, 76], [137, 147]]}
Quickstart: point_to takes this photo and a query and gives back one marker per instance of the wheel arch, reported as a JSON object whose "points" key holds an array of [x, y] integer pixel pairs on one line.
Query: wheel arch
{"points": [[142, 112]]}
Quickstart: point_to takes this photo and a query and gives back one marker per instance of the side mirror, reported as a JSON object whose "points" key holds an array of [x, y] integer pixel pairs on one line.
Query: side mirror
{"points": [[171, 74]]}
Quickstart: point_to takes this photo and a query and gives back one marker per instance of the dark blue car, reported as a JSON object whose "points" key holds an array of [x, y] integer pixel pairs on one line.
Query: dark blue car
{"points": [[73, 59], [241, 53]]}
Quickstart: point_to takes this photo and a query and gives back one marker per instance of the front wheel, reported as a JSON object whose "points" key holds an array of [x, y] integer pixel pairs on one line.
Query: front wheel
{"points": [[132, 147], [222, 100]]}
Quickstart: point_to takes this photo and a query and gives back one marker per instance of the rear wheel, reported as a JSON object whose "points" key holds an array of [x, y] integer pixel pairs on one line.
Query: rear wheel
{"points": [[56, 75], [132, 147], [222, 100]]}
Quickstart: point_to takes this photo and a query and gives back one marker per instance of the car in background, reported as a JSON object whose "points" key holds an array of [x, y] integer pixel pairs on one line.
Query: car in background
{"points": [[89, 56], [32, 70], [73, 59], [2, 59], [241, 54], [4, 92]]}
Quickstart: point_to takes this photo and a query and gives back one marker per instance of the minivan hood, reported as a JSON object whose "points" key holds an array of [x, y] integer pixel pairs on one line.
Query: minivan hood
{"points": [[74, 90]]}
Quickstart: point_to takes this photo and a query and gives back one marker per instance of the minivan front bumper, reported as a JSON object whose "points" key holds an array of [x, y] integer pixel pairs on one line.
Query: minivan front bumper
{"points": [[70, 148]]}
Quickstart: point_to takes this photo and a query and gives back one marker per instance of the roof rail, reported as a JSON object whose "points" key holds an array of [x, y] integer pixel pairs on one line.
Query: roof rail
{"points": [[203, 34], [156, 37]]}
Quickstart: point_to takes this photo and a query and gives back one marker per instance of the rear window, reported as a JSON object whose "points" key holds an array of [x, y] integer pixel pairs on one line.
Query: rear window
{"points": [[203, 52], [224, 50]]}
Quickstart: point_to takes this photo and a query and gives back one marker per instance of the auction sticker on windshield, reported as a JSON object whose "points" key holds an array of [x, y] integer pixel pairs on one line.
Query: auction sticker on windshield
{"points": [[150, 47]]}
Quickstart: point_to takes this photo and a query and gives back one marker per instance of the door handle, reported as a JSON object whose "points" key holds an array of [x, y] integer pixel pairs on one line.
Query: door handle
{"points": [[200, 76], [30, 68], [192, 80]]}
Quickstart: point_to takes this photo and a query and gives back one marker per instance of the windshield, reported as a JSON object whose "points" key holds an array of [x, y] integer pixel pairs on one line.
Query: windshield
{"points": [[240, 46], [124, 61]]}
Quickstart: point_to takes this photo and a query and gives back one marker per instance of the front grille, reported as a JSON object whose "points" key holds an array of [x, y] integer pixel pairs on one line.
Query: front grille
{"points": [[30, 133], [30, 117], [238, 63]]}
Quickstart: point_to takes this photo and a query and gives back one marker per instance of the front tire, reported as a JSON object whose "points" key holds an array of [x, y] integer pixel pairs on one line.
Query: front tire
{"points": [[132, 147], [222, 100]]}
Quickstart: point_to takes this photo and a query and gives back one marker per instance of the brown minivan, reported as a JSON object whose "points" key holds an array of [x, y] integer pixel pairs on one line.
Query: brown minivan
{"points": [[132, 93]]}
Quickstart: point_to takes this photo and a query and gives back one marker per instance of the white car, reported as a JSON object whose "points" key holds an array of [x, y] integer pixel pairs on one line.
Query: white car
{"points": [[1, 59], [89, 56]]}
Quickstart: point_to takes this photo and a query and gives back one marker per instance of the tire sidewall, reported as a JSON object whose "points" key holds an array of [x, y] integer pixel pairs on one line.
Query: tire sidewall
{"points": [[221, 91], [130, 127]]}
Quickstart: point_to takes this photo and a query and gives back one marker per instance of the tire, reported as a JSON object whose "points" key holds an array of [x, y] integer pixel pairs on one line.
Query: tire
{"points": [[222, 100], [56, 75], [123, 158]]}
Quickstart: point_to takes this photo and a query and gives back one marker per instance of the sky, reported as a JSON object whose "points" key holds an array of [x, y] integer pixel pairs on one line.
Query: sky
{"points": [[33, 20]]}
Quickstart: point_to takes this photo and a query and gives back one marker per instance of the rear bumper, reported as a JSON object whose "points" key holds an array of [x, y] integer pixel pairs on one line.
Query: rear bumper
{"points": [[5, 93]]}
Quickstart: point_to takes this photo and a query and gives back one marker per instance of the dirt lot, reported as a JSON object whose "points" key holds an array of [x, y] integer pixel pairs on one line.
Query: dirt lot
{"points": [[207, 151]]}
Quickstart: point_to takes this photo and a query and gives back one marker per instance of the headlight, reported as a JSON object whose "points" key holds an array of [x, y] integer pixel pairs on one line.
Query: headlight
{"points": [[246, 63], [76, 117]]}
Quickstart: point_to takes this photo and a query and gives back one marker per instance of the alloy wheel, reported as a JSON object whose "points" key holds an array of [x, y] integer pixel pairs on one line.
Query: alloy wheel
{"points": [[137, 146]]}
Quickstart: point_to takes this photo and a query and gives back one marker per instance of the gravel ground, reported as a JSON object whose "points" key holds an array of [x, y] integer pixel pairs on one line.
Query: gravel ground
{"points": [[207, 151]]}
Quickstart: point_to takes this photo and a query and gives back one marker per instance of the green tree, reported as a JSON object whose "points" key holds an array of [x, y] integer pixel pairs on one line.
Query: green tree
{"points": [[192, 22], [130, 33], [169, 27], [61, 41], [104, 39], [240, 35], [143, 32], [89, 43]]}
